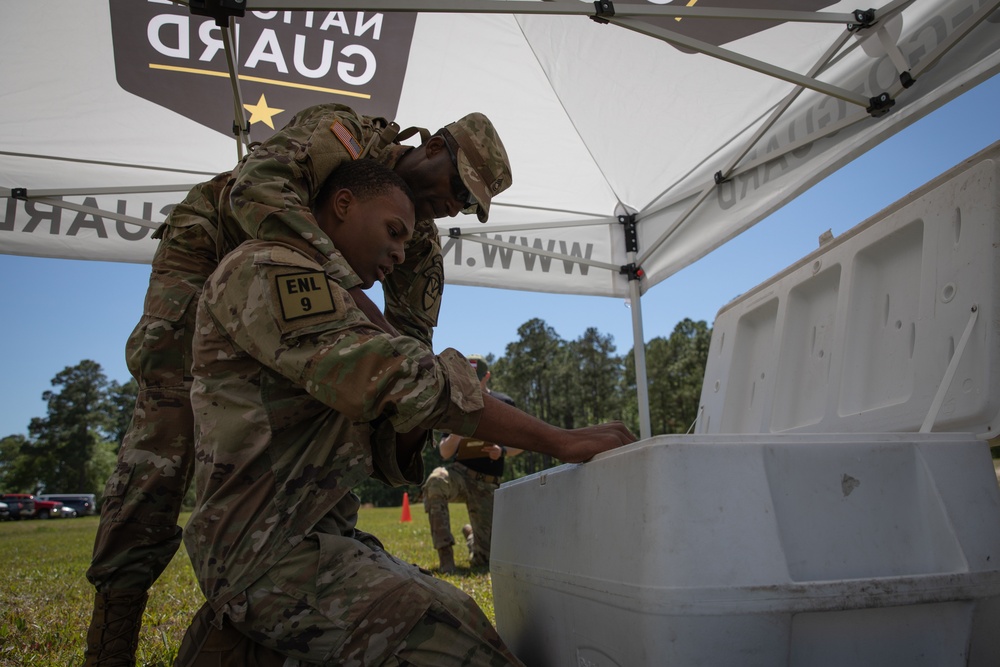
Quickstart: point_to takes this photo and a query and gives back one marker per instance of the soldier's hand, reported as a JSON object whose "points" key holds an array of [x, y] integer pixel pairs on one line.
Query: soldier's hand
{"points": [[585, 443], [493, 451]]}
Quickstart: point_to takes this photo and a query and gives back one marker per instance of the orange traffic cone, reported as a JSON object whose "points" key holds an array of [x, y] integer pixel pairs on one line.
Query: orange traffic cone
{"points": [[405, 518]]}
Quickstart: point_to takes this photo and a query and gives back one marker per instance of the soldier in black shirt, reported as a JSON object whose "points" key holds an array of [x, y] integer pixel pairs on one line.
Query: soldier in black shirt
{"points": [[472, 474]]}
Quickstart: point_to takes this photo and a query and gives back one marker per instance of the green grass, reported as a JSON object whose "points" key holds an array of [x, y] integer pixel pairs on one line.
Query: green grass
{"points": [[46, 601]]}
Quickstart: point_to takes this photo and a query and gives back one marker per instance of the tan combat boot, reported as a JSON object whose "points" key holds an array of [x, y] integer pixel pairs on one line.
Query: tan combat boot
{"points": [[447, 557], [114, 629]]}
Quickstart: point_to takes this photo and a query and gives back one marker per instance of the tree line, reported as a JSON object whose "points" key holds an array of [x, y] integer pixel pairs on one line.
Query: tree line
{"points": [[74, 447], [566, 383]]}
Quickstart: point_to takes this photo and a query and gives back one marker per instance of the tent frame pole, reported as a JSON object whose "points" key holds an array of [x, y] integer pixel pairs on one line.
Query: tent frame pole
{"points": [[731, 169], [628, 218], [639, 355], [88, 210], [741, 60], [727, 171], [558, 8], [241, 126]]}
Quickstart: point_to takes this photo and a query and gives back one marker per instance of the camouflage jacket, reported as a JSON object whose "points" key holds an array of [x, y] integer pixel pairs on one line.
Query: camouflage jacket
{"points": [[297, 398], [272, 188]]}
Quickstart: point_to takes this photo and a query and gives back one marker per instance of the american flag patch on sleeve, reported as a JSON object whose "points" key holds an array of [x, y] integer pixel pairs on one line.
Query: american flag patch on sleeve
{"points": [[346, 138]]}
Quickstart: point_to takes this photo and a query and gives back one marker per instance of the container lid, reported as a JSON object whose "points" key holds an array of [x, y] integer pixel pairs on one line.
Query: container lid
{"points": [[891, 326]]}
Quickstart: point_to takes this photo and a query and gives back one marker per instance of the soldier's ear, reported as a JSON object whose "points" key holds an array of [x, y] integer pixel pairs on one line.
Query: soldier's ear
{"points": [[434, 146], [343, 199]]}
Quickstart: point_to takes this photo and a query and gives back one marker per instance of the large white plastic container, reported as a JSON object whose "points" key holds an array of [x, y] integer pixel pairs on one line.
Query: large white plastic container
{"points": [[767, 550], [807, 522]]}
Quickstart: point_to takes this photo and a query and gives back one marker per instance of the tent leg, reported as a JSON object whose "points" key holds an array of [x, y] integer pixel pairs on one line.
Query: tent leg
{"points": [[639, 353], [241, 128]]}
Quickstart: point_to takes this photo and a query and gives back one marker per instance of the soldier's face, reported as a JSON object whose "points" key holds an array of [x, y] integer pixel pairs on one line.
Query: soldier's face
{"points": [[371, 234], [437, 187]]}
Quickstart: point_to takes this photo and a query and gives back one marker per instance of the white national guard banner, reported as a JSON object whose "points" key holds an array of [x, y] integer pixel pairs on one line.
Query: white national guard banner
{"points": [[641, 135]]}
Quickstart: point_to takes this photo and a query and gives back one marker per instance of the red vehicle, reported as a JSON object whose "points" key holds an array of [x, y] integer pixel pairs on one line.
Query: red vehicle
{"points": [[48, 509], [27, 506]]}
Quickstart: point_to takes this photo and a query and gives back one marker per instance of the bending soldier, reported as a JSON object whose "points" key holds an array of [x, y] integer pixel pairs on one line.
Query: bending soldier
{"points": [[269, 193]]}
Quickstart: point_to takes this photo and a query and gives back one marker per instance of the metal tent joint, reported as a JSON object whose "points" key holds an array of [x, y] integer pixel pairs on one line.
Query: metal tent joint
{"points": [[863, 18], [19, 193], [906, 79], [719, 178], [631, 236], [220, 10], [241, 131], [603, 9], [454, 232], [880, 105], [633, 271]]}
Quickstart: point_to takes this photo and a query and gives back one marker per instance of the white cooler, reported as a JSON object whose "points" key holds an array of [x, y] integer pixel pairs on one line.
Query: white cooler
{"points": [[837, 505]]}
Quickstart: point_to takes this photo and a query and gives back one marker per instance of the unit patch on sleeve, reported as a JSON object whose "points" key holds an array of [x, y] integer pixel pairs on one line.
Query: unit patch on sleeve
{"points": [[346, 138], [303, 294]]}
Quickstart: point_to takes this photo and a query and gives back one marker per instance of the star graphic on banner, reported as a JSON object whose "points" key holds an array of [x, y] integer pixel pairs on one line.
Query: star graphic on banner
{"points": [[261, 113]]}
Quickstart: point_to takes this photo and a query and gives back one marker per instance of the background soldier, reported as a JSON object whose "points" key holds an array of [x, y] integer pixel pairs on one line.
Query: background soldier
{"points": [[472, 477]]}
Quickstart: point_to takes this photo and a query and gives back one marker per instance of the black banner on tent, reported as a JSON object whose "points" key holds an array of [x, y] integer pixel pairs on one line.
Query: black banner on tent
{"points": [[287, 61]]}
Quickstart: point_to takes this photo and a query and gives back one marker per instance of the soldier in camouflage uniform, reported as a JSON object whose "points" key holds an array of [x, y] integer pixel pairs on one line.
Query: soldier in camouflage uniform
{"points": [[298, 397], [472, 477], [269, 192]]}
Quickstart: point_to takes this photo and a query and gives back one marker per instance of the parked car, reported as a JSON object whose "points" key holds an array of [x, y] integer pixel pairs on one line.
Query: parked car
{"points": [[85, 504], [67, 512], [48, 509], [20, 505], [4, 512]]}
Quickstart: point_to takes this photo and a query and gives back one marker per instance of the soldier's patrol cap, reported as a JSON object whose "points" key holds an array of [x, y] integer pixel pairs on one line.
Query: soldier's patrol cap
{"points": [[478, 363], [482, 160]]}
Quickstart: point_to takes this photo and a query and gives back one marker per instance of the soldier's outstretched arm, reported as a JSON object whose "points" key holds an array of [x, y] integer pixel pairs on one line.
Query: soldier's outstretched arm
{"points": [[506, 425]]}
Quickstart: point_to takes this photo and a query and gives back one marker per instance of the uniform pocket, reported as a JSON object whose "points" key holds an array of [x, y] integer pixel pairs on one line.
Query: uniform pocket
{"points": [[159, 350]]}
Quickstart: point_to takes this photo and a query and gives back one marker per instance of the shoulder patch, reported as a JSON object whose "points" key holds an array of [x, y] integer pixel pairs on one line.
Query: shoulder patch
{"points": [[305, 293], [346, 138], [284, 255]]}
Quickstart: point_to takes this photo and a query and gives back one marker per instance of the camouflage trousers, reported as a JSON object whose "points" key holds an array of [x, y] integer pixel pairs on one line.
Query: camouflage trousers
{"points": [[458, 483], [138, 533], [335, 600]]}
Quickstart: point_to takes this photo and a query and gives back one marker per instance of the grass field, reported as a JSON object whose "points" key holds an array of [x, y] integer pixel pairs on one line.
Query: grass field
{"points": [[46, 601]]}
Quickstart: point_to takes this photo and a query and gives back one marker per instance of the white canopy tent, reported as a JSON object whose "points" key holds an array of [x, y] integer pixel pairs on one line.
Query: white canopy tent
{"points": [[641, 135]]}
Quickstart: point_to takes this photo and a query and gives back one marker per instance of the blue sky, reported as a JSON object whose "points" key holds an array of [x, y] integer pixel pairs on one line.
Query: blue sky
{"points": [[59, 312]]}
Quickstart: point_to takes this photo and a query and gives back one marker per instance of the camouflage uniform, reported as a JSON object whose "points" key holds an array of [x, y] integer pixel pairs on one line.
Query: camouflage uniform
{"points": [[138, 533], [271, 195], [471, 477], [293, 409], [456, 482]]}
